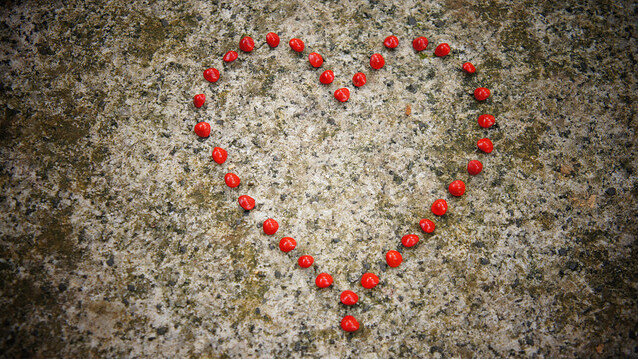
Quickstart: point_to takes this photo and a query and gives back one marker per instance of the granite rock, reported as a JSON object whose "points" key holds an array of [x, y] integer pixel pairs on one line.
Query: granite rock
{"points": [[118, 237]]}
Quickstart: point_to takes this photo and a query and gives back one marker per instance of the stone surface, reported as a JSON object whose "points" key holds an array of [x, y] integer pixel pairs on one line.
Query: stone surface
{"points": [[120, 239]]}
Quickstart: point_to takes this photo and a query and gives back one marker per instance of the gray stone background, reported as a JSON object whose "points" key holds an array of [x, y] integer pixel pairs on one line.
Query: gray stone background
{"points": [[120, 239]]}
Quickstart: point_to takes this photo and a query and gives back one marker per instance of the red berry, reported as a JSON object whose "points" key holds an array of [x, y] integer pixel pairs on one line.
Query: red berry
{"points": [[198, 100], [474, 167], [391, 42], [359, 79], [202, 129], [305, 261], [369, 280], [315, 59], [393, 258], [439, 207], [481, 93], [349, 324], [219, 155], [232, 180], [469, 68], [247, 44], [324, 280], [230, 56], [486, 121], [296, 45], [211, 75], [342, 94], [427, 225], [485, 145], [420, 43], [457, 188], [327, 77], [442, 50], [410, 240], [272, 39], [270, 226], [377, 61], [287, 244], [349, 297], [246, 202]]}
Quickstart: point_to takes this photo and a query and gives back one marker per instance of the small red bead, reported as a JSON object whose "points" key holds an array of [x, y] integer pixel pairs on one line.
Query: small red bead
{"points": [[481, 93], [230, 56], [485, 145], [410, 240], [270, 226], [315, 59], [327, 77], [442, 50], [324, 280], [232, 180], [246, 202], [427, 225], [287, 244], [359, 79], [377, 61], [342, 94], [272, 39], [439, 207], [296, 45], [486, 121], [474, 167], [469, 68], [247, 44], [202, 129], [393, 258], [420, 43], [211, 75], [198, 100], [391, 42], [305, 261], [219, 155], [349, 324], [369, 280], [349, 297], [457, 188]]}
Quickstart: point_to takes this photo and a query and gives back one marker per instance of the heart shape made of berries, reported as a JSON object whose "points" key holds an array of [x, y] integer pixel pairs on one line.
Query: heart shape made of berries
{"points": [[377, 62]]}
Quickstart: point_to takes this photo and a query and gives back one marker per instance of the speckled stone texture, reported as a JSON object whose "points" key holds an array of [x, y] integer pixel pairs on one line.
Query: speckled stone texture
{"points": [[120, 239]]}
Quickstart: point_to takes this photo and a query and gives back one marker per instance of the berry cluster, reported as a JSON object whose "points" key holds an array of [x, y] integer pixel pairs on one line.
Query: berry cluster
{"points": [[377, 62]]}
